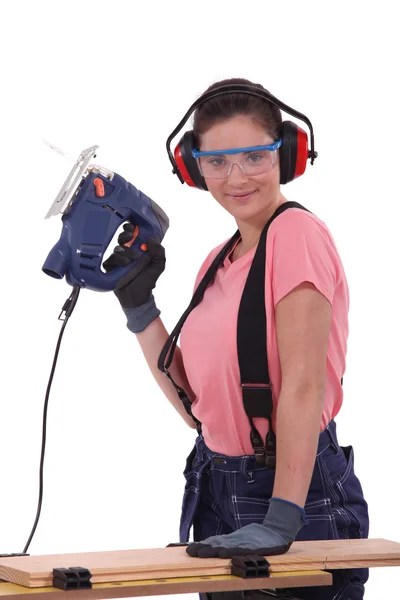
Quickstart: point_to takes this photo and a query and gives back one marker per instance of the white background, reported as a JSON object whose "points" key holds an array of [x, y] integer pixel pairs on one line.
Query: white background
{"points": [[121, 75]]}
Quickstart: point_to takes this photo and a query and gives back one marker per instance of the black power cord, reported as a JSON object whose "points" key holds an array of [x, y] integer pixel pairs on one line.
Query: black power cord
{"points": [[65, 313]]}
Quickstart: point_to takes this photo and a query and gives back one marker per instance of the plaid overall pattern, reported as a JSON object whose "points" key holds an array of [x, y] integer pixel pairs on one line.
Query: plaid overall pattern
{"points": [[224, 493]]}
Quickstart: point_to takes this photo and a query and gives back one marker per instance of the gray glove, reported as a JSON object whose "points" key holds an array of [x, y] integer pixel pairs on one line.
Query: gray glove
{"points": [[134, 290], [274, 536]]}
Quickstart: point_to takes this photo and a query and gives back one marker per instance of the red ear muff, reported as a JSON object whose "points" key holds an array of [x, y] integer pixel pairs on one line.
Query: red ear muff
{"points": [[186, 164], [293, 153], [302, 152]]}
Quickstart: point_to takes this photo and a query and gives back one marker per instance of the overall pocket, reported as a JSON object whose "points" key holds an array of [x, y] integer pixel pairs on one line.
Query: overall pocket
{"points": [[249, 510], [196, 463], [250, 492], [320, 521], [194, 466], [343, 487]]}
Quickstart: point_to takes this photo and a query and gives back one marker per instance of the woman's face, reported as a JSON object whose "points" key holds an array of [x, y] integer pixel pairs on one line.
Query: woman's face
{"points": [[248, 199]]}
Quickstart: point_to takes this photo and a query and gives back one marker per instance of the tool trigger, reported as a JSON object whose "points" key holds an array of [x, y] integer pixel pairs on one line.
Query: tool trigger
{"points": [[135, 234]]}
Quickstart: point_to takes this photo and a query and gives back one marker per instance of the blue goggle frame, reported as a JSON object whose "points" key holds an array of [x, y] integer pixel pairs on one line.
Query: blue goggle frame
{"points": [[275, 146]]}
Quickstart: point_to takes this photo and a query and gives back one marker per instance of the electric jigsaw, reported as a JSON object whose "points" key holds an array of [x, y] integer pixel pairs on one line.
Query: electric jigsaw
{"points": [[95, 202]]}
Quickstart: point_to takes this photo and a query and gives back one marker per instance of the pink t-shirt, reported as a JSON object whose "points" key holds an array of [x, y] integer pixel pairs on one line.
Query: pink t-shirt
{"points": [[300, 248]]}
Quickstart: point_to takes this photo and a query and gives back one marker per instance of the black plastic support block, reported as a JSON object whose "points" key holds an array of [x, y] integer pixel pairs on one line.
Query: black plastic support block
{"points": [[73, 578], [250, 566]]}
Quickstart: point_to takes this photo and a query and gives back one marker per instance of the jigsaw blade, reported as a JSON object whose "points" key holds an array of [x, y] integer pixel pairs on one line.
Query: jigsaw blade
{"points": [[67, 192]]}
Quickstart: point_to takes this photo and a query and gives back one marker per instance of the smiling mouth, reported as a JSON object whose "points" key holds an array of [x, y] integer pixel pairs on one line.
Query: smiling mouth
{"points": [[242, 196]]}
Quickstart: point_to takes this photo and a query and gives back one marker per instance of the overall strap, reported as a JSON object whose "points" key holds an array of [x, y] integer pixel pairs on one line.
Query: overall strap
{"points": [[167, 353], [252, 348], [251, 342]]}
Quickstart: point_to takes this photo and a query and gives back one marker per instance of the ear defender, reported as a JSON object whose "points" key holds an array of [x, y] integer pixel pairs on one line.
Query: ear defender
{"points": [[187, 164], [293, 155]]}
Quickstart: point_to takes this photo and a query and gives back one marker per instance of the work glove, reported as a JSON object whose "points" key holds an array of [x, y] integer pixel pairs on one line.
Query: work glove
{"points": [[134, 290], [274, 536]]}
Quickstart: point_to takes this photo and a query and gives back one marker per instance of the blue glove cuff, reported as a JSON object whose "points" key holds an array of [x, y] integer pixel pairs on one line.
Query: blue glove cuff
{"points": [[285, 518], [140, 317], [296, 507]]}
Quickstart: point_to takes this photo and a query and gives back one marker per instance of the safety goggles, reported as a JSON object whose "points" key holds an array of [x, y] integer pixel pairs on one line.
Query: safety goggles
{"points": [[254, 160]]}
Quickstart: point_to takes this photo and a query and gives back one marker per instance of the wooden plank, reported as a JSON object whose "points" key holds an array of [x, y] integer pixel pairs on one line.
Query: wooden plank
{"points": [[184, 585], [125, 565], [338, 554]]}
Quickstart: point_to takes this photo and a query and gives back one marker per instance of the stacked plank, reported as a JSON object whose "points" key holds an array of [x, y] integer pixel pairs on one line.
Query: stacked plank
{"points": [[164, 563]]}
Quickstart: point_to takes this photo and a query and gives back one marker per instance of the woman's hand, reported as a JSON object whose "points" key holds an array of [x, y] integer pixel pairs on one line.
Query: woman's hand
{"points": [[274, 536], [135, 288]]}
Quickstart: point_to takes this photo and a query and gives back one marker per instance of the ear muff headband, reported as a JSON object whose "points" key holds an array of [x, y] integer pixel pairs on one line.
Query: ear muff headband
{"points": [[298, 166]]}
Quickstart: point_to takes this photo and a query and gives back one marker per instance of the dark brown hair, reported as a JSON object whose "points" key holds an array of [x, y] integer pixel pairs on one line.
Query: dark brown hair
{"points": [[232, 104]]}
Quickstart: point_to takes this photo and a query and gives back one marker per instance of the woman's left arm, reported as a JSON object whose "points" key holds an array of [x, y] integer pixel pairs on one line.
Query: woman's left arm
{"points": [[303, 320]]}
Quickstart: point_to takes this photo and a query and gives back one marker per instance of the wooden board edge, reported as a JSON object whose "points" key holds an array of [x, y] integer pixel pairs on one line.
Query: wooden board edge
{"points": [[364, 564], [182, 585], [27, 580], [356, 564]]}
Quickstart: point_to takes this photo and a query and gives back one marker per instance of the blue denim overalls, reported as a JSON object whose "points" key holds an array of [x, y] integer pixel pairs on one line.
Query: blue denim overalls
{"points": [[224, 493]]}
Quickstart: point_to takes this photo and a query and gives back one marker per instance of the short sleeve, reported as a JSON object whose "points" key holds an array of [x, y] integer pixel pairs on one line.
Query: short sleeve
{"points": [[303, 251]]}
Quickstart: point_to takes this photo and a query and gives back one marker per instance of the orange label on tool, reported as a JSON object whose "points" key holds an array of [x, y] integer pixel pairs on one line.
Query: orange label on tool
{"points": [[99, 185]]}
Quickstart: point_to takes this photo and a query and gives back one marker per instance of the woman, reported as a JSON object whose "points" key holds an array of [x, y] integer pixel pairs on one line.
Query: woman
{"points": [[235, 502]]}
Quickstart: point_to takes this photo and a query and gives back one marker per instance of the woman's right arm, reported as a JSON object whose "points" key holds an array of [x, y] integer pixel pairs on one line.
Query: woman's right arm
{"points": [[135, 296], [151, 341]]}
